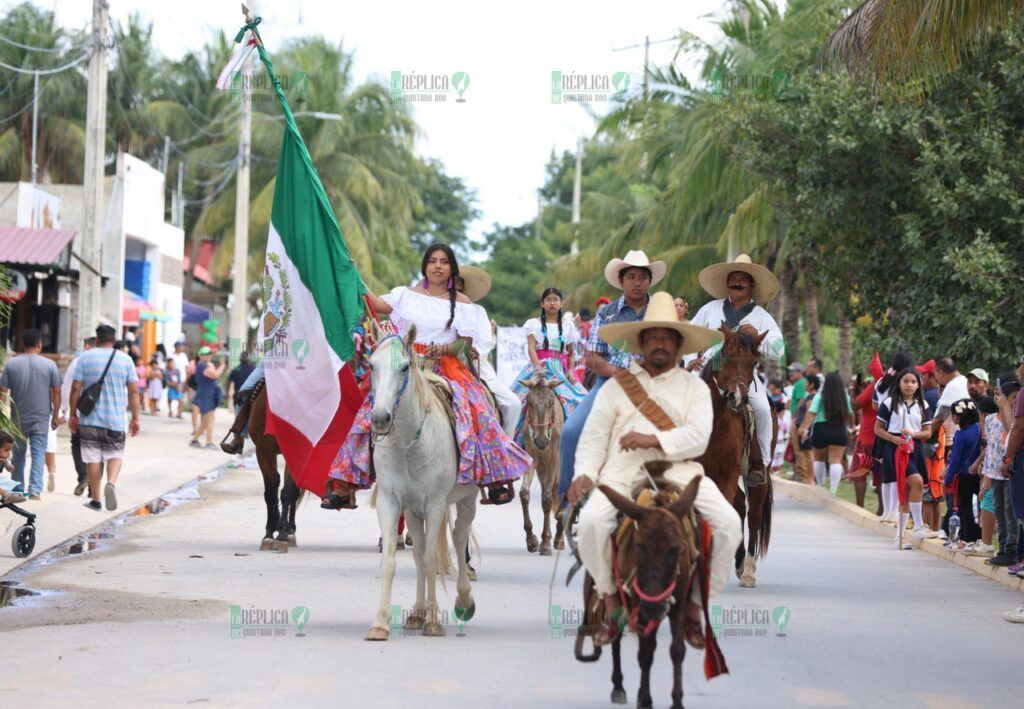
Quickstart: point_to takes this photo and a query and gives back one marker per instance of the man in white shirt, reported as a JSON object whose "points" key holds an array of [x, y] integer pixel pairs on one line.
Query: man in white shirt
{"points": [[954, 388], [741, 288], [618, 439]]}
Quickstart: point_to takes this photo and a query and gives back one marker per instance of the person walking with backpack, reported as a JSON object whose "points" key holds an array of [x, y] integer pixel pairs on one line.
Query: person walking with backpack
{"points": [[106, 383]]}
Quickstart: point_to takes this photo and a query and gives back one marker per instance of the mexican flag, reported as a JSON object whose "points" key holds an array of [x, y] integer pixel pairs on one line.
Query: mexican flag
{"points": [[313, 299]]}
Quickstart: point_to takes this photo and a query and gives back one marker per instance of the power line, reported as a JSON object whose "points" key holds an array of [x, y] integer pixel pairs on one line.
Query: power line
{"points": [[27, 106], [45, 72], [29, 47]]}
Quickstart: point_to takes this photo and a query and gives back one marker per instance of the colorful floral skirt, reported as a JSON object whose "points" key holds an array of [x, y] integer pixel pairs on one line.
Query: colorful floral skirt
{"points": [[486, 453], [569, 391]]}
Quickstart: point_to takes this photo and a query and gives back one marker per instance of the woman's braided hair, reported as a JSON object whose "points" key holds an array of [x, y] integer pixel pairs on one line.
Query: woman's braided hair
{"points": [[544, 319]]}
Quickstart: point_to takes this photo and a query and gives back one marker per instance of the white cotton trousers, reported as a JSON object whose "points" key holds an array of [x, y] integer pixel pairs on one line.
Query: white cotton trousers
{"points": [[597, 523], [758, 396]]}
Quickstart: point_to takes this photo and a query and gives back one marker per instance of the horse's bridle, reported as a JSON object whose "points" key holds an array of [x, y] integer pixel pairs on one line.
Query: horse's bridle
{"points": [[533, 425], [398, 398]]}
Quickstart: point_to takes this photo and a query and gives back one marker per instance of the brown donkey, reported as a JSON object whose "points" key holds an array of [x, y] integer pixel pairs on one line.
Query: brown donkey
{"points": [[543, 418], [663, 549]]}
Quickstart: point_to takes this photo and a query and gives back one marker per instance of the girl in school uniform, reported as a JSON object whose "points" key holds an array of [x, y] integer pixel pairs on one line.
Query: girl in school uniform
{"points": [[902, 420]]}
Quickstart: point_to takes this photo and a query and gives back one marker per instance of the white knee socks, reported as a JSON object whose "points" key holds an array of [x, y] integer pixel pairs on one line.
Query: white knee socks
{"points": [[917, 515], [835, 474], [819, 472]]}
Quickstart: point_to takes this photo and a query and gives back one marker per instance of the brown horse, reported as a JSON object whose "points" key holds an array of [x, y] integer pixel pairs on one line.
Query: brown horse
{"points": [[664, 561], [543, 418], [732, 437], [280, 521]]}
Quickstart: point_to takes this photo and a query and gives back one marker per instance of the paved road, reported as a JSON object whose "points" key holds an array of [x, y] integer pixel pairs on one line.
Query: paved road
{"points": [[149, 620]]}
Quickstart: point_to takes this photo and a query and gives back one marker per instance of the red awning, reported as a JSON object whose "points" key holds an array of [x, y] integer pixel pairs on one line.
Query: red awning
{"points": [[36, 247]]}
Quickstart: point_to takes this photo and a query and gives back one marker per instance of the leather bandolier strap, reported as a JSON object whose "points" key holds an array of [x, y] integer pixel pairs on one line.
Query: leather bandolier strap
{"points": [[644, 403]]}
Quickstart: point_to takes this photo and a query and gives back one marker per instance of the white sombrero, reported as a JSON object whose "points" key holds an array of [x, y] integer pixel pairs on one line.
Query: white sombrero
{"points": [[477, 282], [636, 259], [713, 279], [661, 312]]}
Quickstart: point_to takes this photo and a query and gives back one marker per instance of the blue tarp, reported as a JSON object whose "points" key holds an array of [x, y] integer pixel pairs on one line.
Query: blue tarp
{"points": [[190, 312]]}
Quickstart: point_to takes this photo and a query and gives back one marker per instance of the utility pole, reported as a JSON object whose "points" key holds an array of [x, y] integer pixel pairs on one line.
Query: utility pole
{"points": [[35, 124], [577, 183], [89, 281], [239, 328], [647, 59], [540, 212]]}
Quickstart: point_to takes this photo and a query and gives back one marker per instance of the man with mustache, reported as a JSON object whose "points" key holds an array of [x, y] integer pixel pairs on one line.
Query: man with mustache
{"points": [[741, 288], [622, 435]]}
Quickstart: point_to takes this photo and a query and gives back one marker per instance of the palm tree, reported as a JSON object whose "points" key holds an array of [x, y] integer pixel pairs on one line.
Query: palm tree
{"points": [[364, 161], [913, 42], [60, 149]]}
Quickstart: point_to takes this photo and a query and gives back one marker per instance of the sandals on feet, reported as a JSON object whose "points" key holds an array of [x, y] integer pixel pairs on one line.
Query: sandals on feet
{"points": [[499, 494], [334, 501]]}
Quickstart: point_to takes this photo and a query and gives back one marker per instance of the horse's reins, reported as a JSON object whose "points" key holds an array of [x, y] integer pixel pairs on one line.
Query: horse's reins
{"points": [[398, 398]]}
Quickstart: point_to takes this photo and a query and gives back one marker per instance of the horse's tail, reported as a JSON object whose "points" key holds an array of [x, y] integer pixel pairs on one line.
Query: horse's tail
{"points": [[764, 531]]}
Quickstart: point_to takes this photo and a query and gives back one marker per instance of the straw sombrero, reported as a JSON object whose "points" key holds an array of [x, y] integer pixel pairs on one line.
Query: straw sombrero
{"points": [[713, 278], [636, 259], [477, 282], [661, 312]]}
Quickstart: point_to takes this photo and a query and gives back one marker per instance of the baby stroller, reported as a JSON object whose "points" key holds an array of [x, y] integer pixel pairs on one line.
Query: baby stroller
{"points": [[24, 539]]}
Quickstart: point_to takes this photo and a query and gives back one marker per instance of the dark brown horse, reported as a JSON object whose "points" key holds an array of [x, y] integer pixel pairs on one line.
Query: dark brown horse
{"points": [[732, 437], [662, 554], [280, 521]]}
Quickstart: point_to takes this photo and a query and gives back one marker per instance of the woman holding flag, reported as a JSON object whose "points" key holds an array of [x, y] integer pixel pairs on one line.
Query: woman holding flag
{"points": [[446, 325]]}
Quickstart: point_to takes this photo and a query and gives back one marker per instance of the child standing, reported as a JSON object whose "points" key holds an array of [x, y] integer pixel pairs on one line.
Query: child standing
{"points": [[966, 445], [172, 382], [902, 421]]}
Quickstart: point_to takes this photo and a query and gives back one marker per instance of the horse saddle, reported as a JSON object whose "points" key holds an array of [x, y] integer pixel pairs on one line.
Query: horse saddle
{"points": [[440, 386]]}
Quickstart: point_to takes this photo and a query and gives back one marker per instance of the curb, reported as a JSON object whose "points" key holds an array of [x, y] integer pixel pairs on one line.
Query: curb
{"points": [[818, 497]]}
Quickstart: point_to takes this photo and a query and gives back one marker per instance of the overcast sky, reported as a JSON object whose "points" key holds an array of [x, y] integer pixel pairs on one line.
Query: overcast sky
{"points": [[497, 140]]}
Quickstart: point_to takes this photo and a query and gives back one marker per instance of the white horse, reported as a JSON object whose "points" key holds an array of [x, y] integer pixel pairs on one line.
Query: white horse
{"points": [[416, 461]]}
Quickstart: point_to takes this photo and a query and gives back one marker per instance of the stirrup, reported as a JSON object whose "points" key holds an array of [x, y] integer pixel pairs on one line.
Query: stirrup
{"points": [[236, 446], [755, 476]]}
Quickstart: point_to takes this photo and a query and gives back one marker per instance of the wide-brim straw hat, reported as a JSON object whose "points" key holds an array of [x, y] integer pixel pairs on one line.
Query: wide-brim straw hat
{"points": [[637, 259], [661, 312], [476, 280], [713, 279]]}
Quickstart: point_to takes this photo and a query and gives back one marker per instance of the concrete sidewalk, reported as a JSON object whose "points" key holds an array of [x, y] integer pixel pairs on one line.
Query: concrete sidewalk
{"points": [[820, 497], [157, 460]]}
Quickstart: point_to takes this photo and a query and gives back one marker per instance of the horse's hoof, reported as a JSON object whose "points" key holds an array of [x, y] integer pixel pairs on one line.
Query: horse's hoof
{"points": [[471, 574], [559, 544], [545, 550], [747, 581], [408, 539], [280, 545], [532, 543], [400, 545], [376, 633], [433, 630], [291, 541], [465, 614], [415, 622], [267, 544], [618, 696]]}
